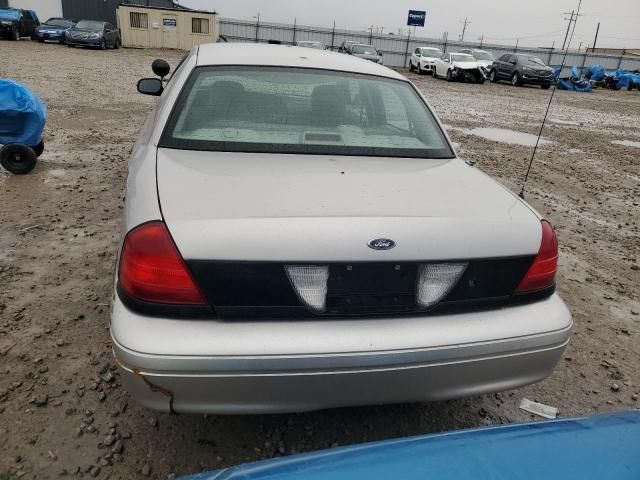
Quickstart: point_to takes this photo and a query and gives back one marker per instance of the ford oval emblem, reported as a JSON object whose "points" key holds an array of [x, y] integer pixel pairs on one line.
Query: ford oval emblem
{"points": [[382, 244]]}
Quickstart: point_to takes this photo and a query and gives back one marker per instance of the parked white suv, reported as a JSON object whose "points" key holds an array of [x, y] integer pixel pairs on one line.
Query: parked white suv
{"points": [[300, 234], [424, 59]]}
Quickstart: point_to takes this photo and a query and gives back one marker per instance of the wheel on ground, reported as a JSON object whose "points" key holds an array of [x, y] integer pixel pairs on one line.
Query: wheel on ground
{"points": [[18, 158], [117, 44], [515, 79], [492, 76], [420, 71], [103, 44], [482, 80], [449, 77], [545, 87], [410, 67], [15, 36], [39, 148], [40, 40]]}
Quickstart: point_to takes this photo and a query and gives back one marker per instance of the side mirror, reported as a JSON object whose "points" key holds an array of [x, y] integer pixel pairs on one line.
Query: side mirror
{"points": [[150, 86], [160, 67]]}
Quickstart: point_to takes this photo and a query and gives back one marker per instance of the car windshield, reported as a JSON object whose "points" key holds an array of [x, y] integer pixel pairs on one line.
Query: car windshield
{"points": [[483, 56], [364, 50], [58, 22], [461, 57], [305, 111], [431, 52], [89, 25], [527, 59]]}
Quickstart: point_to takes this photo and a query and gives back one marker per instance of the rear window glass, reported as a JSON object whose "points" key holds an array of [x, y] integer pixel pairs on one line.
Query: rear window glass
{"points": [[295, 110], [58, 22]]}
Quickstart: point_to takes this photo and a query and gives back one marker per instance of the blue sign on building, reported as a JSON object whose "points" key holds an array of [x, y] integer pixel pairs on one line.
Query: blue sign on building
{"points": [[416, 18], [169, 22]]}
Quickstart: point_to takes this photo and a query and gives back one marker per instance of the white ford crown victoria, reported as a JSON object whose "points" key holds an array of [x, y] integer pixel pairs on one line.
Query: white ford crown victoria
{"points": [[300, 234]]}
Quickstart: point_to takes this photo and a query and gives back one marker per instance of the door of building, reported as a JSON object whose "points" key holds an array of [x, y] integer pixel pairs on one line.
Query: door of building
{"points": [[169, 31]]}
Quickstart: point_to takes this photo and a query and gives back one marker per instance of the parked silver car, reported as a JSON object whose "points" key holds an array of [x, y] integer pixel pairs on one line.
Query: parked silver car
{"points": [[367, 52], [300, 234]]}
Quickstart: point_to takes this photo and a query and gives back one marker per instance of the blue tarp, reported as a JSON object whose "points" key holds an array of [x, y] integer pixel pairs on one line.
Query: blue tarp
{"points": [[9, 14], [22, 114], [574, 83], [590, 448], [594, 72]]}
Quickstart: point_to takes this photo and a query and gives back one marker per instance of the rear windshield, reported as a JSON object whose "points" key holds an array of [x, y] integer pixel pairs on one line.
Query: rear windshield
{"points": [[432, 52], [89, 25], [306, 111], [364, 50], [58, 22]]}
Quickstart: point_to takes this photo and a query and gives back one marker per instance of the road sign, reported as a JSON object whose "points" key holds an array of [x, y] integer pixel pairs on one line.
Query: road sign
{"points": [[416, 18]]}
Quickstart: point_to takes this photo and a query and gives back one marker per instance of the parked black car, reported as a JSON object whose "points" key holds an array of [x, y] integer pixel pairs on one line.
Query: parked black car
{"points": [[16, 23], [93, 33], [54, 29], [521, 69]]}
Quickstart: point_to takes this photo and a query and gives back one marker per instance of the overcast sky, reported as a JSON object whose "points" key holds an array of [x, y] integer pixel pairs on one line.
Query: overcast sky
{"points": [[536, 22]]}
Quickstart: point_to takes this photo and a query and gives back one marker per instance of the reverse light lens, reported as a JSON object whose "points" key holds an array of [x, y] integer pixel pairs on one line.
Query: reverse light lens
{"points": [[542, 273], [151, 268], [436, 280], [310, 283]]}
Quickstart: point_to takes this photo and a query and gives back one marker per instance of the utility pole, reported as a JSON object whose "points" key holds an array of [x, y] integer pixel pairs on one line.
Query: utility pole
{"points": [[517, 42], [566, 35], [464, 29], [595, 41], [481, 40]]}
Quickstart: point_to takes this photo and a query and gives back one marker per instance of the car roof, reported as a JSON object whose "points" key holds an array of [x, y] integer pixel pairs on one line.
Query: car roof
{"points": [[429, 48], [211, 54]]}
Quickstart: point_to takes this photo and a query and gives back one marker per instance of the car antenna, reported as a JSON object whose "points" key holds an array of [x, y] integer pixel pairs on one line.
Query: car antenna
{"points": [[553, 91]]}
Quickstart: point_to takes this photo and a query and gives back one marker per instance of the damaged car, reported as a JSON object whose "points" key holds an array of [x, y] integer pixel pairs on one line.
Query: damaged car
{"points": [[299, 234], [459, 67]]}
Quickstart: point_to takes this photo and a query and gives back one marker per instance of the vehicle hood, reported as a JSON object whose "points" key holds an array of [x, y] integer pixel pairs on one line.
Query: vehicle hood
{"points": [[57, 28], [485, 63], [239, 206], [10, 15], [540, 70], [429, 59], [467, 65], [366, 56], [83, 30]]}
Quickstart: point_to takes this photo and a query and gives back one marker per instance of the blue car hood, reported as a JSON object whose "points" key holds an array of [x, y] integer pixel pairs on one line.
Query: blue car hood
{"points": [[10, 15], [605, 446]]}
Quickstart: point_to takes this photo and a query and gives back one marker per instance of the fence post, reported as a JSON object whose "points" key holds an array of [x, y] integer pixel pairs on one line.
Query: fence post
{"points": [[257, 26], [333, 34], [446, 37], [295, 21], [621, 58], [517, 42], [406, 50]]}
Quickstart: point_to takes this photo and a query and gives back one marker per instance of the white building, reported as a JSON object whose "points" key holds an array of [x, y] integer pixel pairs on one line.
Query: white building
{"points": [[45, 9]]}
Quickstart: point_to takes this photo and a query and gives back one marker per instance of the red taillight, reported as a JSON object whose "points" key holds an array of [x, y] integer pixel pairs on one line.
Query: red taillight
{"points": [[151, 268], [542, 274]]}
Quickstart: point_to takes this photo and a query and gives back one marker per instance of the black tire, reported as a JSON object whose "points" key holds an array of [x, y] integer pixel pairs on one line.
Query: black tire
{"points": [[545, 87], [70, 45], [410, 66], [40, 40], [15, 35], [419, 70], [116, 45], [103, 44], [39, 148], [482, 80], [493, 78], [449, 77], [515, 80], [18, 158]]}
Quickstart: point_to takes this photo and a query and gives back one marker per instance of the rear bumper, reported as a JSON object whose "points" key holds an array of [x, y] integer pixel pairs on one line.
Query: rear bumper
{"points": [[274, 367]]}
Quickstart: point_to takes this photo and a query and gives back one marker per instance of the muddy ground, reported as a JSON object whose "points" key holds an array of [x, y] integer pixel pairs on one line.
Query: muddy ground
{"points": [[62, 409]]}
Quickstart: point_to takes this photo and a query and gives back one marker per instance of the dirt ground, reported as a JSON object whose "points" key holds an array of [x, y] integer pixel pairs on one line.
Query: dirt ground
{"points": [[63, 411]]}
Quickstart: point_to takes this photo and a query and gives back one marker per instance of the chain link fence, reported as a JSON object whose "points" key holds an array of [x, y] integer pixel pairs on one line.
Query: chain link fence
{"points": [[396, 49]]}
